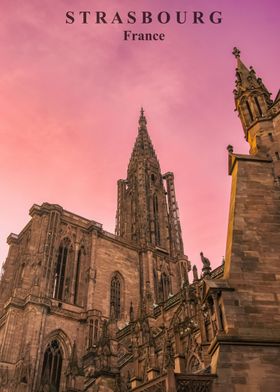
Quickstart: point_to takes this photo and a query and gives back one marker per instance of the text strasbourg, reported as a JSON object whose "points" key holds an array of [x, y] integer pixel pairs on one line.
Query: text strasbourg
{"points": [[144, 17]]}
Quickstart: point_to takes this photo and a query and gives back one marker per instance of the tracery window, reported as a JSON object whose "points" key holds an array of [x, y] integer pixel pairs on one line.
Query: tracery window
{"points": [[59, 277], [249, 111], [77, 276], [156, 219], [156, 284], [52, 365], [95, 330], [165, 286], [258, 106], [90, 333], [115, 297]]}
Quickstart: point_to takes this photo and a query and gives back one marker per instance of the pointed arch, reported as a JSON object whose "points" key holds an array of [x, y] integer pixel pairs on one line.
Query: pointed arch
{"points": [[57, 349], [64, 249], [194, 364], [52, 366], [156, 219], [165, 286], [77, 277], [116, 295]]}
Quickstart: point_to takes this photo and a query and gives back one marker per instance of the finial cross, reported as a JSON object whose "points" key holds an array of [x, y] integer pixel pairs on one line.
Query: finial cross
{"points": [[236, 52]]}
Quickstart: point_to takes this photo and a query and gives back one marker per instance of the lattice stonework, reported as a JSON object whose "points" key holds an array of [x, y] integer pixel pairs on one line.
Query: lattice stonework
{"points": [[194, 385], [159, 387]]}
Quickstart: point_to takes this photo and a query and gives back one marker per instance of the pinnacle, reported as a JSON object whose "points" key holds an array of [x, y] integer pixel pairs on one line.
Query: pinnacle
{"points": [[142, 119], [143, 147]]}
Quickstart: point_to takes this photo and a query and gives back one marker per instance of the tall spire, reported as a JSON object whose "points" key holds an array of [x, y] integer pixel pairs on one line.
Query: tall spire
{"points": [[147, 208], [252, 98], [143, 148]]}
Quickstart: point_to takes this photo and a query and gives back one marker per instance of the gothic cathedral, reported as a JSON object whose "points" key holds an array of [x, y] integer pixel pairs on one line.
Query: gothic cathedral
{"points": [[85, 310]]}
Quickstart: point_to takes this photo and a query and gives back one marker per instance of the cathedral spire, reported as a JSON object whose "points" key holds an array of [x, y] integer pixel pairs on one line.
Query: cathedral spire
{"points": [[252, 98], [143, 147], [147, 210]]}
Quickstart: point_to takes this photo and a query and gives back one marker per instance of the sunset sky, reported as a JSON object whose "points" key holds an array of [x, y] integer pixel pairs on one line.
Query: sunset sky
{"points": [[70, 97]]}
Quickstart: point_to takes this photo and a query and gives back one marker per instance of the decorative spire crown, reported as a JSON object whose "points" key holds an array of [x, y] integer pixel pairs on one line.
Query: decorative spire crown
{"points": [[247, 81], [142, 119]]}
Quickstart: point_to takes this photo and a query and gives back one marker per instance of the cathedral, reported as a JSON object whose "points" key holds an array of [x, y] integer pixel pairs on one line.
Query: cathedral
{"points": [[82, 309]]}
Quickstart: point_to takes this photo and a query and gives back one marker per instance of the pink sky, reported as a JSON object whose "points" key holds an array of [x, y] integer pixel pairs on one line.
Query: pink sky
{"points": [[71, 95]]}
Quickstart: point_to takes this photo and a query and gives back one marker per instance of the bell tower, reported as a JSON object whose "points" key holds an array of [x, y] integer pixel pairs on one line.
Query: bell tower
{"points": [[147, 211]]}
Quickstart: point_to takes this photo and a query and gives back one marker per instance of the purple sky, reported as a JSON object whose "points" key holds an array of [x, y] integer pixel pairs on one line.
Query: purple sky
{"points": [[70, 101]]}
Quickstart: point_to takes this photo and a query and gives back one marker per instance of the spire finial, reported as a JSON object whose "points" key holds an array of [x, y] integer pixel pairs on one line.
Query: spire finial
{"points": [[236, 52], [142, 119]]}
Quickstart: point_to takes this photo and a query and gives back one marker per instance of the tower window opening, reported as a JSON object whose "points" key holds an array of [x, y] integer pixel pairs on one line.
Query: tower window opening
{"points": [[90, 333], [165, 286], [115, 298], [59, 276], [270, 136], [249, 111], [277, 155], [77, 277], [156, 219], [52, 365], [258, 106], [95, 330]]}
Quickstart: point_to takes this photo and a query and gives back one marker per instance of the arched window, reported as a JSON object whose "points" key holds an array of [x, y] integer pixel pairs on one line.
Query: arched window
{"points": [[59, 276], [115, 298], [249, 111], [156, 284], [156, 219], [95, 330], [258, 106], [77, 276], [165, 286], [52, 365], [90, 335]]}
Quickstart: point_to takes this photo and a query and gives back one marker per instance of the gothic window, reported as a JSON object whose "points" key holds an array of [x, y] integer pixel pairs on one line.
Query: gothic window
{"points": [[90, 335], [156, 219], [165, 286], [221, 314], [258, 106], [59, 277], [249, 111], [115, 298], [52, 364], [77, 277], [95, 330], [155, 284]]}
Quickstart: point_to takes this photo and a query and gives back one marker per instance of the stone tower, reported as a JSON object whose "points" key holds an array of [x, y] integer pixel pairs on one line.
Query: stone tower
{"points": [[147, 211]]}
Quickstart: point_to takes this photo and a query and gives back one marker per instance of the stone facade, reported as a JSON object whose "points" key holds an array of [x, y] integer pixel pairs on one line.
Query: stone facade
{"points": [[86, 310]]}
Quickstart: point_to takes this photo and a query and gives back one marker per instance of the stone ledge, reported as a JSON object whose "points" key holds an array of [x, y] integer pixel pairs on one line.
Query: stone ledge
{"points": [[243, 341]]}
